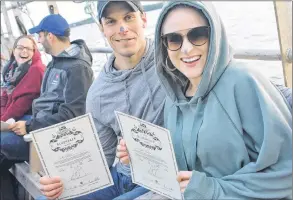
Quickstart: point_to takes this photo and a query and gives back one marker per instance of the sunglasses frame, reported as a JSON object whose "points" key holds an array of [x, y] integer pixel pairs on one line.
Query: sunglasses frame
{"points": [[164, 37]]}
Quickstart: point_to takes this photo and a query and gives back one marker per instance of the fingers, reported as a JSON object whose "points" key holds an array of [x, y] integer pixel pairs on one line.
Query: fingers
{"points": [[45, 180], [15, 129], [57, 195], [51, 187], [125, 160], [184, 175], [12, 126], [183, 186], [122, 142], [121, 148], [122, 152], [123, 157], [18, 132], [54, 193]]}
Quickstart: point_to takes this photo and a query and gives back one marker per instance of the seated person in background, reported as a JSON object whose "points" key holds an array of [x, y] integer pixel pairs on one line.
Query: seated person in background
{"points": [[3, 60], [64, 88], [22, 79]]}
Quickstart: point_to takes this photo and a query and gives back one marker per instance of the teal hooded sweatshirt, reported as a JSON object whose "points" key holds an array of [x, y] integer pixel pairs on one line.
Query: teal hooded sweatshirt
{"points": [[235, 134]]}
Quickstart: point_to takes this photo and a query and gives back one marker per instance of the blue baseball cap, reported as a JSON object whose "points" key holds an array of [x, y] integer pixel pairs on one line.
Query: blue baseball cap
{"points": [[102, 4], [54, 23]]}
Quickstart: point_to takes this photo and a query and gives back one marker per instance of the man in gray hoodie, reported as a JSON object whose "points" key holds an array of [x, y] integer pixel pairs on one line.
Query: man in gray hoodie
{"points": [[128, 84]]}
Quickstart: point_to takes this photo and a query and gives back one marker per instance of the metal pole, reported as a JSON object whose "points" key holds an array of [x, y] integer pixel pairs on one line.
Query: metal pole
{"points": [[17, 14], [6, 18], [22, 3], [9, 42], [53, 8], [283, 13]]}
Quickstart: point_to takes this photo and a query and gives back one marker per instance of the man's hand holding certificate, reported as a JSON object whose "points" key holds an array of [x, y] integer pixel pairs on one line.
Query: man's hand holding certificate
{"points": [[72, 151], [152, 159]]}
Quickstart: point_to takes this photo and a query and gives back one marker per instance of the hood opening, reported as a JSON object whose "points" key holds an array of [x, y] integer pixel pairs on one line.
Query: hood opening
{"points": [[218, 57]]}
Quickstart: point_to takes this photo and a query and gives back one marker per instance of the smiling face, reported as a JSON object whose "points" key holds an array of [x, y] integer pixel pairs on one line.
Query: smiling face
{"points": [[190, 59], [24, 50], [124, 29]]}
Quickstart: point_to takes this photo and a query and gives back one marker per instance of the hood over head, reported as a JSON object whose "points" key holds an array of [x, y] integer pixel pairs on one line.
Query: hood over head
{"points": [[37, 56], [219, 54]]}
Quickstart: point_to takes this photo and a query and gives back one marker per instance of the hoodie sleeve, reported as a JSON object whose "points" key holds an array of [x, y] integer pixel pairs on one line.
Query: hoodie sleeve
{"points": [[107, 136], [266, 123], [79, 79], [286, 92], [108, 140]]}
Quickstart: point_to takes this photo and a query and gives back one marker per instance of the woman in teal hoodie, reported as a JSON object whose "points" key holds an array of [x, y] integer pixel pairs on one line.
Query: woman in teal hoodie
{"points": [[231, 128]]}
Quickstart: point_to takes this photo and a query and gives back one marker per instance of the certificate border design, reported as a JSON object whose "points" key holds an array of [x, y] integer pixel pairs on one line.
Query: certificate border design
{"points": [[118, 113], [88, 116]]}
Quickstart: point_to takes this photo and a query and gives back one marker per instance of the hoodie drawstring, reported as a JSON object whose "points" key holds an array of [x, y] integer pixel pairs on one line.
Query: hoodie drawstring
{"points": [[148, 87], [127, 96]]}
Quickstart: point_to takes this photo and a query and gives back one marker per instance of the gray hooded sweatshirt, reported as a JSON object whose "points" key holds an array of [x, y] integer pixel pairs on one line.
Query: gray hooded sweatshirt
{"points": [[135, 92]]}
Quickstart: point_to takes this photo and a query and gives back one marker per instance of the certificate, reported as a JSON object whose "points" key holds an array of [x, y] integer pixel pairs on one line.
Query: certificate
{"points": [[72, 150], [152, 159]]}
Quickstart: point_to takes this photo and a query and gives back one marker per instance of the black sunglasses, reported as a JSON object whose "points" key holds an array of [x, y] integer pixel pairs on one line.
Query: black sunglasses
{"points": [[197, 36]]}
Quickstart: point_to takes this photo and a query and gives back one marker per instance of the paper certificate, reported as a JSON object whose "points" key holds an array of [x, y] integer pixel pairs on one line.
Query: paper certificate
{"points": [[152, 158], [73, 151]]}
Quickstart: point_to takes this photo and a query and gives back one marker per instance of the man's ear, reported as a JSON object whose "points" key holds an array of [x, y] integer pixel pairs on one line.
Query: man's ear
{"points": [[144, 19], [50, 36], [101, 28]]}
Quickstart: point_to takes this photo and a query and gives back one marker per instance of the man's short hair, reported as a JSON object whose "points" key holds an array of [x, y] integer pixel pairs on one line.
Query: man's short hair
{"points": [[64, 38]]}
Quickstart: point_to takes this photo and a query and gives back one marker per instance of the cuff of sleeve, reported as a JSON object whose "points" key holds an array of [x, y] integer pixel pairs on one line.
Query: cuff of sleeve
{"points": [[28, 125], [199, 187]]}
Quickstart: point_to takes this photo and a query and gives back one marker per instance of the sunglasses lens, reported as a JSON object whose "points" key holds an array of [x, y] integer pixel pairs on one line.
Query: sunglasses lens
{"points": [[173, 41], [198, 36]]}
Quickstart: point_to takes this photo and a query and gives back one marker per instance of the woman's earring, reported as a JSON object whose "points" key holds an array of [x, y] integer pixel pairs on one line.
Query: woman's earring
{"points": [[167, 66]]}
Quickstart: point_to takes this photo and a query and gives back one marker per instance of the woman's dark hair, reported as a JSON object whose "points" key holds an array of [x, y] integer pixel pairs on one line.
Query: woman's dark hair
{"points": [[12, 58]]}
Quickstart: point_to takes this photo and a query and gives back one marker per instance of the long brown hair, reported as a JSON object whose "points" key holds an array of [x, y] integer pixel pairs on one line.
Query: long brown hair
{"points": [[12, 58]]}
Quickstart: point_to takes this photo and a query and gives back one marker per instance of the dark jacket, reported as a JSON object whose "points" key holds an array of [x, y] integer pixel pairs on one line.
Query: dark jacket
{"points": [[64, 89], [19, 101]]}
